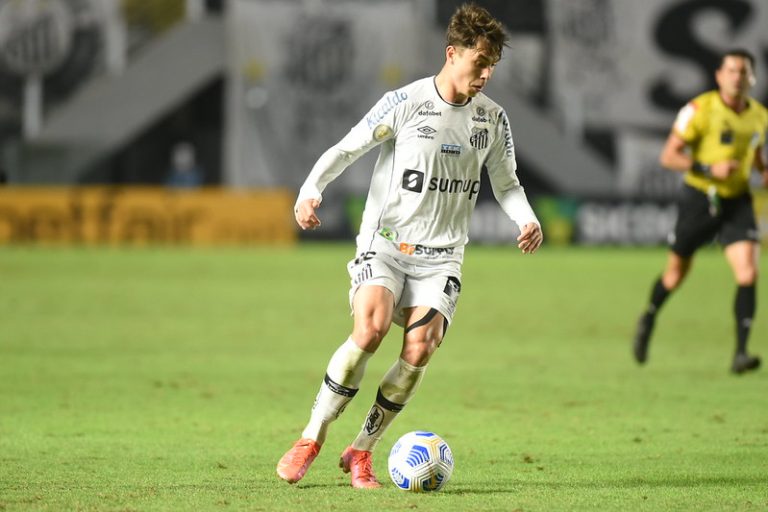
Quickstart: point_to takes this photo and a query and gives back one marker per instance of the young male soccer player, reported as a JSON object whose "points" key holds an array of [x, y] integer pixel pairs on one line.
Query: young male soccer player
{"points": [[716, 140], [435, 135]]}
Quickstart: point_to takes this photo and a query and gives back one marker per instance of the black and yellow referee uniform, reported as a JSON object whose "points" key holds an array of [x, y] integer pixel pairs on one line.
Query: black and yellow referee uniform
{"points": [[710, 207]]}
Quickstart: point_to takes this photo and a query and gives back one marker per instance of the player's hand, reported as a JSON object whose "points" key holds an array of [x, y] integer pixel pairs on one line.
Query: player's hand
{"points": [[305, 214], [722, 170], [530, 238]]}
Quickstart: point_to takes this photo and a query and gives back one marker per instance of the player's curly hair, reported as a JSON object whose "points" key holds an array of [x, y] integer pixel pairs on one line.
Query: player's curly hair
{"points": [[471, 24]]}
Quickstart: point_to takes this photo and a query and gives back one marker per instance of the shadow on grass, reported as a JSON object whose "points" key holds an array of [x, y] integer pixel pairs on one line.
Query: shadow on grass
{"points": [[516, 486], [673, 481], [679, 481]]}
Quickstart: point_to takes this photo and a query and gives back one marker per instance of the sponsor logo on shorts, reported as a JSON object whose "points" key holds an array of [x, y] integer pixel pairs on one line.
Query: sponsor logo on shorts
{"points": [[424, 251], [365, 274], [452, 288], [364, 256]]}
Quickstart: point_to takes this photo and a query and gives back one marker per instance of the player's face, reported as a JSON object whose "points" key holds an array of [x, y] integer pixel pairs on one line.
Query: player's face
{"points": [[735, 76], [472, 68]]}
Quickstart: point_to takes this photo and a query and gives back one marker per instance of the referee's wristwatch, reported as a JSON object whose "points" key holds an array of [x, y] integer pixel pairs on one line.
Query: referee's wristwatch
{"points": [[701, 168]]}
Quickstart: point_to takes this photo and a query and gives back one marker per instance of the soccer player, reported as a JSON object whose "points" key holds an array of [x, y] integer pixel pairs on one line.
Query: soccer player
{"points": [[717, 139], [435, 135]]}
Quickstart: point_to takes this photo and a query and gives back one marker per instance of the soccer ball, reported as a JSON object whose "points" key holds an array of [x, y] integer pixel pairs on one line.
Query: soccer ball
{"points": [[420, 462]]}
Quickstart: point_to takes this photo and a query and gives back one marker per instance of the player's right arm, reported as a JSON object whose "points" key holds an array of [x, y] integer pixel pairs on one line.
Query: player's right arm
{"points": [[686, 129], [377, 126], [305, 214]]}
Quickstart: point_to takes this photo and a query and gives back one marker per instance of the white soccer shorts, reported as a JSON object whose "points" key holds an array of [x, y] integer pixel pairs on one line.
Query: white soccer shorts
{"points": [[435, 284]]}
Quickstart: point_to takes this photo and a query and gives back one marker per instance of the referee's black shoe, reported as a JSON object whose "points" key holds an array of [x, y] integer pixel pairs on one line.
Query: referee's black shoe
{"points": [[643, 338], [743, 362]]}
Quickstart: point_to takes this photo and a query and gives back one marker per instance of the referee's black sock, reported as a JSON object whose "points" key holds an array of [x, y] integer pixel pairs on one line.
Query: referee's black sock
{"points": [[659, 295], [744, 308]]}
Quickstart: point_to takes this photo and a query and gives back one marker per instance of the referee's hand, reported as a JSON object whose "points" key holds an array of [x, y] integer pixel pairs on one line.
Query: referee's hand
{"points": [[722, 170], [530, 238], [305, 214]]}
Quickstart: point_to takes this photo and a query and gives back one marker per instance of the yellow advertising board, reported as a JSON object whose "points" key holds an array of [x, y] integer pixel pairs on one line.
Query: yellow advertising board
{"points": [[145, 216]]}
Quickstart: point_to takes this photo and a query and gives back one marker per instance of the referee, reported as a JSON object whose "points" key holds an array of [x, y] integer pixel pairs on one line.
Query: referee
{"points": [[717, 139]]}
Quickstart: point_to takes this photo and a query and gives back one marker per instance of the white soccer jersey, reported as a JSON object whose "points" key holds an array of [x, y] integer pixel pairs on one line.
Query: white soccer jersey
{"points": [[427, 177]]}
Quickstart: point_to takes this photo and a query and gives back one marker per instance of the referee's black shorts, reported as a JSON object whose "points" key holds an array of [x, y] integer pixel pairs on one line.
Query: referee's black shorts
{"points": [[701, 221]]}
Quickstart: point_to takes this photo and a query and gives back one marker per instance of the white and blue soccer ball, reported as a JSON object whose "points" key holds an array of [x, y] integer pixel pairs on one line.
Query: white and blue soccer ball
{"points": [[420, 462]]}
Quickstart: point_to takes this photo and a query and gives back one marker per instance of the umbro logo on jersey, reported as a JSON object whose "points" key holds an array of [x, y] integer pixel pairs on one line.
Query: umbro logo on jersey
{"points": [[413, 180], [427, 132]]}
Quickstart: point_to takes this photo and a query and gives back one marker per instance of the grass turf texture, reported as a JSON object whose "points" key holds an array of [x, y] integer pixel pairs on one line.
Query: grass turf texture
{"points": [[166, 379]]}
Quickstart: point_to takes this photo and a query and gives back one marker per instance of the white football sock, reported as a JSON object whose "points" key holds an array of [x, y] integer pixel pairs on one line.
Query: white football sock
{"points": [[340, 384], [396, 389]]}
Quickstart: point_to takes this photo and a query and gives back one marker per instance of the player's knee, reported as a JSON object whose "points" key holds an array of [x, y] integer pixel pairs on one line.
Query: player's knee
{"points": [[746, 276], [369, 334], [674, 278], [419, 347]]}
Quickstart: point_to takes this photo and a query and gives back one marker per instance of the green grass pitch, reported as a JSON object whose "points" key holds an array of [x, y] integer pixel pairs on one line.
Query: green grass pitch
{"points": [[174, 379]]}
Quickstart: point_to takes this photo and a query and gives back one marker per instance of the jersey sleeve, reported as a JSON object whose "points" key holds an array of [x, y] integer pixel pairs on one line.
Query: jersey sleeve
{"points": [[502, 171], [377, 126], [688, 122]]}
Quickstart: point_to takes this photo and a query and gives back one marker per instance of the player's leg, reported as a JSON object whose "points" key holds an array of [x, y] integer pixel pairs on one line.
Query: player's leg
{"points": [[373, 313], [695, 226], [427, 303], [739, 237], [743, 257], [423, 333], [372, 297], [676, 269]]}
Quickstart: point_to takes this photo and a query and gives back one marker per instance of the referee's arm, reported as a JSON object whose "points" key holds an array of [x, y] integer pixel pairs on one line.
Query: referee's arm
{"points": [[759, 164], [673, 156]]}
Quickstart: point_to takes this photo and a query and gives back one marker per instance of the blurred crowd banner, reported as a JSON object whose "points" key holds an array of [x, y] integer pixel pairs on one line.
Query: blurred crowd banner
{"points": [[630, 64], [144, 216], [304, 73]]}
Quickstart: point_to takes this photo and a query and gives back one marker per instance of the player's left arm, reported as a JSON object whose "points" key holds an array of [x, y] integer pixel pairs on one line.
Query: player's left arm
{"points": [[502, 171], [530, 238]]}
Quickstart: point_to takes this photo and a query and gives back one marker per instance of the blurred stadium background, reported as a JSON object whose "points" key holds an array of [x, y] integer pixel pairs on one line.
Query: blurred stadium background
{"points": [[103, 102], [156, 379]]}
